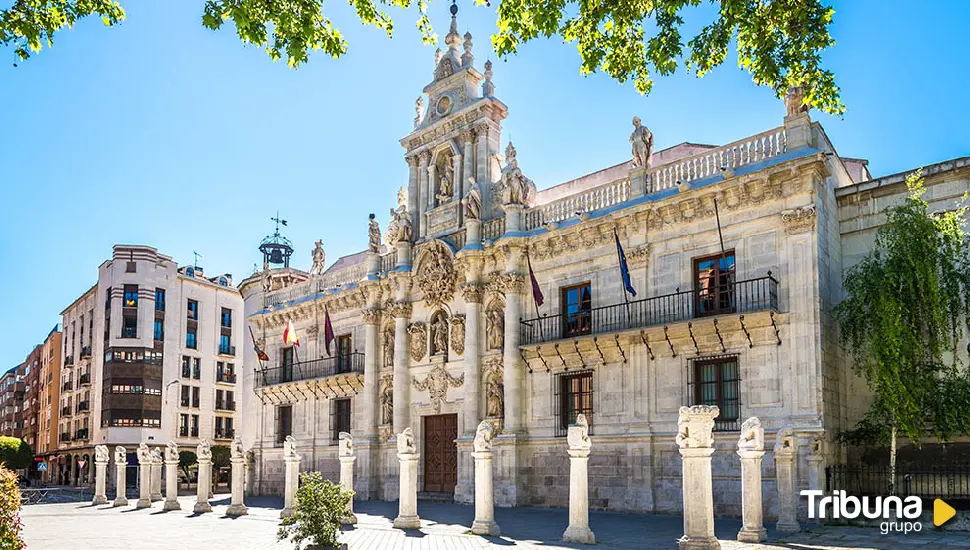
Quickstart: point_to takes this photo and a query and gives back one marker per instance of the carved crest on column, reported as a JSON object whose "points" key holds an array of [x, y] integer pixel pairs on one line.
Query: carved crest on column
{"points": [[472, 292], [458, 334], [509, 283], [437, 275], [493, 376], [400, 309], [799, 220], [419, 340], [371, 316], [312, 331], [695, 425], [639, 256], [437, 383]]}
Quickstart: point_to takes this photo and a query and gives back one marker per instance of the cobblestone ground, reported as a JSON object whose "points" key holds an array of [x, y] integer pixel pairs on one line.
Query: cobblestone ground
{"points": [[443, 527]]}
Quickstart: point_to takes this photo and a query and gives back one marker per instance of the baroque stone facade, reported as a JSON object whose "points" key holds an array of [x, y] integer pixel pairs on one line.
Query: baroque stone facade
{"points": [[736, 252]]}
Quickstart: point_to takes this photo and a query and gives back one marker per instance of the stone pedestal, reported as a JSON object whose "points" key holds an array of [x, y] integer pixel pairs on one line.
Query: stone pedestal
{"points": [[816, 471], [291, 481], [751, 449], [484, 523], [798, 130], [639, 185], [403, 255], [579, 445], [156, 476], [696, 442], [347, 482], [171, 485], [121, 469], [513, 218], [144, 477], [473, 233], [100, 482], [236, 506], [786, 452], [205, 485], [407, 515], [373, 263]]}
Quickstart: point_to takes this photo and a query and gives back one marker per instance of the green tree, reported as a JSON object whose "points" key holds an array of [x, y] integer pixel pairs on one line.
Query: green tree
{"points": [[318, 514], [187, 459], [220, 456], [15, 453], [903, 319], [778, 41]]}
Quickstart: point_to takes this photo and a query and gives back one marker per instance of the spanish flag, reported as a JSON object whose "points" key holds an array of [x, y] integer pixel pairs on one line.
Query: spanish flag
{"points": [[289, 335]]}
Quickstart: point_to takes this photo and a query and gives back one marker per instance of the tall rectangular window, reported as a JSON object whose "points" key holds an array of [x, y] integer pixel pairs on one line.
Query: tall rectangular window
{"points": [[341, 417], [159, 299], [131, 296], [575, 397], [344, 349], [286, 364], [183, 425], [159, 329], [226, 318], [224, 347], [196, 392], [190, 339], [186, 366], [284, 422], [196, 368], [230, 401], [185, 396], [129, 326], [219, 402], [577, 306], [717, 382], [714, 284], [192, 310], [195, 425]]}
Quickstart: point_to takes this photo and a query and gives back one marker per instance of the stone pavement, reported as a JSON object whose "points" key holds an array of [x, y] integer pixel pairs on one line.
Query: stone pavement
{"points": [[444, 527]]}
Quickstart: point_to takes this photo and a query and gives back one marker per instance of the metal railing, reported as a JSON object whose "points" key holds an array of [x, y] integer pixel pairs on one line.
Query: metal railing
{"points": [[225, 405], [758, 294], [83, 406], [228, 378], [81, 435], [225, 434], [950, 482], [84, 379], [227, 350], [67, 386], [314, 368]]}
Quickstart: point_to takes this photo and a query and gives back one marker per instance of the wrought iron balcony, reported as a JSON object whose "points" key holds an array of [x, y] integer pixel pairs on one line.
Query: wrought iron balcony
{"points": [[83, 406], [225, 405], [760, 294], [67, 386], [66, 411], [225, 377], [85, 352], [68, 361], [227, 350], [84, 379], [65, 437], [81, 435], [314, 368], [225, 434]]}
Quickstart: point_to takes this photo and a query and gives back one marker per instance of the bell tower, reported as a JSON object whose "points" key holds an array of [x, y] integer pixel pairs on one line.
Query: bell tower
{"points": [[452, 151]]}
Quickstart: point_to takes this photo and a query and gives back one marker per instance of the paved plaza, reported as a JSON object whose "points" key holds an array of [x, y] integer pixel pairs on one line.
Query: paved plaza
{"points": [[443, 527]]}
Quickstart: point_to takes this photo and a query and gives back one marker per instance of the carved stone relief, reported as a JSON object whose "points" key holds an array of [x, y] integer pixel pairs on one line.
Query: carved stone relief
{"points": [[419, 340], [437, 275], [493, 377], [494, 327], [458, 334], [437, 383], [386, 385]]}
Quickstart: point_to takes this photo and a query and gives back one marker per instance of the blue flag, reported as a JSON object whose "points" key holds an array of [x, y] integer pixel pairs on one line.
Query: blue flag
{"points": [[624, 268]]}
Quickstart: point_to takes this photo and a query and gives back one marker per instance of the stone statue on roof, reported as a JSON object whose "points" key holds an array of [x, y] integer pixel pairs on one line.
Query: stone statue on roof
{"points": [[517, 189], [373, 235], [642, 144], [319, 257]]}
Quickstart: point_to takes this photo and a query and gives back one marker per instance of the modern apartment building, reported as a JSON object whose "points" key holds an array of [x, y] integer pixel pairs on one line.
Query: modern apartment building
{"points": [[149, 356], [32, 401], [48, 407], [12, 402]]}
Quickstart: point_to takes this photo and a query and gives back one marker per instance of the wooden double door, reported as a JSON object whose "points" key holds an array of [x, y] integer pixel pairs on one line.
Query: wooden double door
{"points": [[440, 453]]}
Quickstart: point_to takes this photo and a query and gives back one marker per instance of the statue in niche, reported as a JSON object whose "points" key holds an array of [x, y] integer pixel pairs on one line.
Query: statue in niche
{"points": [[439, 334], [473, 201], [319, 257], [495, 393], [445, 186], [387, 398], [373, 235], [494, 329], [642, 142], [388, 346]]}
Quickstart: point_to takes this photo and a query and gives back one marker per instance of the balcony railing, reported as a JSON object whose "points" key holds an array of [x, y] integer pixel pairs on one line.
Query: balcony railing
{"points": [[84, 379], [315, 368], [225, 434], [225, 405], [227, 350], [85, 352], [226, 377], [66, 410], [65, 437], [81, 435], [759, 294], [67, 386], [83, 406], [68, 361]]}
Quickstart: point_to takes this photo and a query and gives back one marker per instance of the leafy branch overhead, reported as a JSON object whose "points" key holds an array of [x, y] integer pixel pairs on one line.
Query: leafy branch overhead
{"points": [[778, 41]]}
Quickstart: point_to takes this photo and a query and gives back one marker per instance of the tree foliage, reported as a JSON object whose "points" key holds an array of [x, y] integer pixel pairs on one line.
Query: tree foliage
{"points": [[778, 41], [903, 320], [318, 514], [187, 459], [10, 511], [220, 456], [15, 453]]}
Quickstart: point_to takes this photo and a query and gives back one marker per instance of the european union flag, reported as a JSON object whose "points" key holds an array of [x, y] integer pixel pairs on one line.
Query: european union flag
{"points": [[624, 268]]}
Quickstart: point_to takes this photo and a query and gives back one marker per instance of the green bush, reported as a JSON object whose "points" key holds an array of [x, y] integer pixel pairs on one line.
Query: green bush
{"points": [[15, 453], [187, 459], [318, 514], [10, 511]]}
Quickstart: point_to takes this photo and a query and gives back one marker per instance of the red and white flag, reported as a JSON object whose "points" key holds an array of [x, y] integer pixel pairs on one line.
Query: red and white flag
{"points": [[289, 335]]}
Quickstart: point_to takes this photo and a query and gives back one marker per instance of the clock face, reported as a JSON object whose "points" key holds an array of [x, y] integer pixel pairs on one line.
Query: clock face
{"points": [[443, 106]]}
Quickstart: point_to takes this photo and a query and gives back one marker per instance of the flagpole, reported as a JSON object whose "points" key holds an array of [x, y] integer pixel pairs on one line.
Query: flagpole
{"points": [[720, 238], [534, 301], [619, 263]]}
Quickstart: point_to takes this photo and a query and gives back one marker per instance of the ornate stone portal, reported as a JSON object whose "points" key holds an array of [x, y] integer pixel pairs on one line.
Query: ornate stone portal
{"points": [[437, 383]]}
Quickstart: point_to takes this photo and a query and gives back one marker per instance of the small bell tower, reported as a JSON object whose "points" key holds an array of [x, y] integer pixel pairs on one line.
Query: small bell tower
{"points": [[452, 151]]}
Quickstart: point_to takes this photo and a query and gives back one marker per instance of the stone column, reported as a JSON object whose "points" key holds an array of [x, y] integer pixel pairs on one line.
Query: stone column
{"points": [[144, 476], [370, 396], [407, 454], [171, 477], [345, 453], [751, 447], [121, 469], [100, 474], [468, 170], [472, 292], [816, 469], [786, 451], [481, 157], [579, 444], [401, 310], [414, 191], [291, 479], [156, 475], [696, 441], [484, 523], [238, 460], [424, 157], [204, 456], [511, 283]]}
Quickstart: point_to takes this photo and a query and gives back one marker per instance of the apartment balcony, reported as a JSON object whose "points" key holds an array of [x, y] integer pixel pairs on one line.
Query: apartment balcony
{"points": [[225, 377], [183, 431], [84, 379], [65, 437], [225, 405], [81, 435], [69, 361], [337, 368], [85, 352], [66, 411], [83, 406], [225, 434], [739, 297], [227, 350], [67, 386]]}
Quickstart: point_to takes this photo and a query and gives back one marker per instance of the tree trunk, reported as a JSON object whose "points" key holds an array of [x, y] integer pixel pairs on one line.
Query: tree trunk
{"points": [[892, 461]]}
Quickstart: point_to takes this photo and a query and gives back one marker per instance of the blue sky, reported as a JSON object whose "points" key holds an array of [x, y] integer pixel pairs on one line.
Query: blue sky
{"points": [[163, 133]]}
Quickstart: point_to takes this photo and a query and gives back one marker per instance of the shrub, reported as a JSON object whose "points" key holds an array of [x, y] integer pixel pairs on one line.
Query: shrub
{"points": [[15, 453], [10, 511], [318, 514]]}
